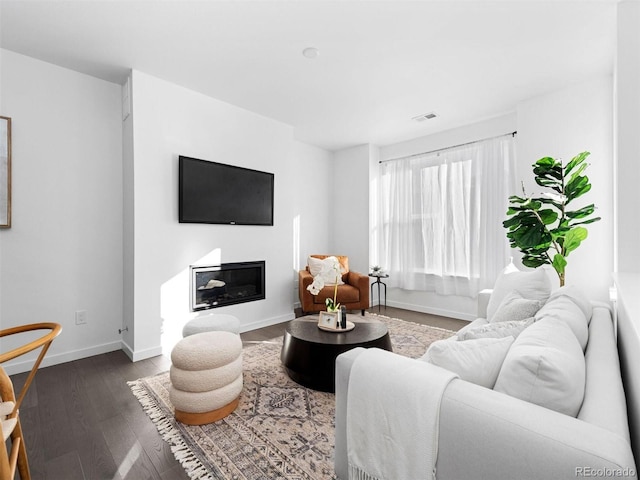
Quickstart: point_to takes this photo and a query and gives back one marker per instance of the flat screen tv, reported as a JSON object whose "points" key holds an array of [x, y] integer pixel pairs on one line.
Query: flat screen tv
{"points": [[211, 192]]}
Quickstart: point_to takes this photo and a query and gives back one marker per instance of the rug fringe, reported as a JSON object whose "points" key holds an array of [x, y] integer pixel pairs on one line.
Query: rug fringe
{"points": [[181, 451]]}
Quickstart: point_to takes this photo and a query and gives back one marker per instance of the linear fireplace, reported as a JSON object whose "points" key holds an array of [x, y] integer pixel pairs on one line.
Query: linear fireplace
{"points": [[227, 284]]}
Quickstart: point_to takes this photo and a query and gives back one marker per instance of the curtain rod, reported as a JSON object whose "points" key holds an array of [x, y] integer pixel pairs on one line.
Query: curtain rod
{"points": [[513, 134]]}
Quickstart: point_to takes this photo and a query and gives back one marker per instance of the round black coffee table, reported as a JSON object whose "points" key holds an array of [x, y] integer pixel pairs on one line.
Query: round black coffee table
{"points": [[309, 354]]}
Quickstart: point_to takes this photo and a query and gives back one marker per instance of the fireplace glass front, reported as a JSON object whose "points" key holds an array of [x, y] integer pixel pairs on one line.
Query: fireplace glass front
{"points": [[227, 284]]}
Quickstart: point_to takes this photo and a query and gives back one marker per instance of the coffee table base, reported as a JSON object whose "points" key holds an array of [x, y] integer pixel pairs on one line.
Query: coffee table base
{"points": [[309, 354]]}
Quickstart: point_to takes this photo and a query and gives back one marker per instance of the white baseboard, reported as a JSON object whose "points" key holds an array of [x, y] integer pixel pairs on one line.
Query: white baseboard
{"points": [[433, 311], [56, 359], [134, 356], [127, 350], [266, 322], [138, 355]]}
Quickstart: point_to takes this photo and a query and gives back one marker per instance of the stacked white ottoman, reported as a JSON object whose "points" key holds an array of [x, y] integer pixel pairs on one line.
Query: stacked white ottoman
{"points": [[212, 322], [206, 376]]}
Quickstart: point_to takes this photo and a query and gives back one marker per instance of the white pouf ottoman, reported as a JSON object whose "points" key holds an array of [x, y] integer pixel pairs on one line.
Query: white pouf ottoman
{"points": [[206, 377], [210, 323]]}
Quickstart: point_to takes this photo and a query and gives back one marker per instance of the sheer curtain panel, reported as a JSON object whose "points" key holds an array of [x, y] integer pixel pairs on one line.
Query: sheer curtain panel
{"points": [[441, 217]]}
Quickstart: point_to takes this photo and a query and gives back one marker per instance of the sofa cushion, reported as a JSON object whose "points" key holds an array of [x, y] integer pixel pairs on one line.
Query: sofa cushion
{"points": [[546, 366], [478, 322], [563, 308], [576, 296], [515, 307], [531, 284], [477, 361], [511, 328], [326, 268]]}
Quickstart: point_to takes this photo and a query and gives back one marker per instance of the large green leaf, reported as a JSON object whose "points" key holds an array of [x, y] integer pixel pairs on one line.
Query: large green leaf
{"points": [[545, 162], [548, 173], [551, 201], [573, 238], [576, 188], [533, 237], [533, 262], [577, 173], [582, 212], [516, 199], [575, 161], [548, 216], [523, 217], [586, 222], [559, 263]]}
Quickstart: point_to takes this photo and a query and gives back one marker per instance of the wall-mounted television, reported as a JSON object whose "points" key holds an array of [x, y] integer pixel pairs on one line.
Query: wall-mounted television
{"points": [[211, 192]]}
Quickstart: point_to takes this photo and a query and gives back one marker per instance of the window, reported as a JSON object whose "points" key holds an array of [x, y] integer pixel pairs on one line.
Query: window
{"points": [[441, 217]]}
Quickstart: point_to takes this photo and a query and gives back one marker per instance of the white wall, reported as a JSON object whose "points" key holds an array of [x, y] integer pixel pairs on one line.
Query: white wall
{"points": [[627, 140], [312, 200], [562, 124], [168, 121], [472, 132], [63, 252], [349, 223]]}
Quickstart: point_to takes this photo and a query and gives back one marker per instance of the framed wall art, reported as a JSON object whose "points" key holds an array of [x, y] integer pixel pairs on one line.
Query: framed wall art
{"points": [[5, 172]]}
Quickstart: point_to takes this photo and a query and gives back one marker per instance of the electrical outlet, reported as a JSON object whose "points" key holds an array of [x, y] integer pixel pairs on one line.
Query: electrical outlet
{"points": [[81, 317]]}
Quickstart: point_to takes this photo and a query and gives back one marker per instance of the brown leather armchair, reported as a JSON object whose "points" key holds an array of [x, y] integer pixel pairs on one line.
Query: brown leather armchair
{"points": [[354, 294]]}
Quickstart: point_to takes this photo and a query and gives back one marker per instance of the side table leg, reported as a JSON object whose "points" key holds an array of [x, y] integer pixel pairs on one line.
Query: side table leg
{"points": [[385, 294], [371, 297]]}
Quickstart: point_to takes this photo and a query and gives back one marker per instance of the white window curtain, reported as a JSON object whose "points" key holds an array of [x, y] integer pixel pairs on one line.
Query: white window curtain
{"points": [[441, 217]]}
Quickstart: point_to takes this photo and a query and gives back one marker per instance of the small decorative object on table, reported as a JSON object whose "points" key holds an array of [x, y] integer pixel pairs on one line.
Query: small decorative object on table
{"points": [[332, 322], [376, 271]]}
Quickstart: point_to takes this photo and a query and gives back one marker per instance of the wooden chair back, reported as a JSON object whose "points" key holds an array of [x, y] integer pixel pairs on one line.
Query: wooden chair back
{"points": [[17, 456]]}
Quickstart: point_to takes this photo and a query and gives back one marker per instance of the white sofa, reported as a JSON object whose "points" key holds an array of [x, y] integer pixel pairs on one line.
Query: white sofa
{"points": [[487, 434]]}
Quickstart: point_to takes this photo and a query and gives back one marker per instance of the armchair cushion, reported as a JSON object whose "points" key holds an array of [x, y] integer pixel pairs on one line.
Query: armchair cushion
{"points": [[324, 268], [343, 259], [354, 294], [346, 294]]}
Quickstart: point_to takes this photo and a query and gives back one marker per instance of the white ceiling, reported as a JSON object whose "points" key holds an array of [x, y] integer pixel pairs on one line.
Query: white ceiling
{"points": [[380, 64]]}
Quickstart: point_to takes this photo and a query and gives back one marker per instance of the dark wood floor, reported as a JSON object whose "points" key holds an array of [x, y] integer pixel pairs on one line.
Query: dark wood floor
{"points": [[81, 420]]}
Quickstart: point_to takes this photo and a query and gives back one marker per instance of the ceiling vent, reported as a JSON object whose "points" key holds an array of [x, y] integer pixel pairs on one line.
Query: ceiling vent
{"points": [[425, 116]]}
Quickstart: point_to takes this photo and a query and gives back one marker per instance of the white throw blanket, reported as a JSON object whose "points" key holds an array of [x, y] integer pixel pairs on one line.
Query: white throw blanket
{"points": [[392, 416]]}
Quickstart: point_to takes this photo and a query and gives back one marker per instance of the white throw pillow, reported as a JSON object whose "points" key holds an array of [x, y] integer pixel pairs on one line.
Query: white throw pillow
{"points": [[563, 309], [545, 366], [496, 330], [326, 268], [531, 284], [477, 361], [575, 294], [515, 307], [478, 322]]}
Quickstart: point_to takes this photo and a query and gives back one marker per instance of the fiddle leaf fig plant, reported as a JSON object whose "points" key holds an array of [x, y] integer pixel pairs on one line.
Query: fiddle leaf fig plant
{"points": [[544, 228]]}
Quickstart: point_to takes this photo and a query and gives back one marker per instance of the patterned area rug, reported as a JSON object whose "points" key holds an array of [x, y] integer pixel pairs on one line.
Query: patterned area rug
{"points": [[280, 430]]}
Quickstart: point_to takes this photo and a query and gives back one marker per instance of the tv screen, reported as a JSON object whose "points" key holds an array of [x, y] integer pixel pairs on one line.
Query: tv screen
{"points": [[211, 192]]}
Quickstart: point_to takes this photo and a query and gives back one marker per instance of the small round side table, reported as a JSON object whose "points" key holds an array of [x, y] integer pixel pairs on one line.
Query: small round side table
{"points": [[379, 282]]}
